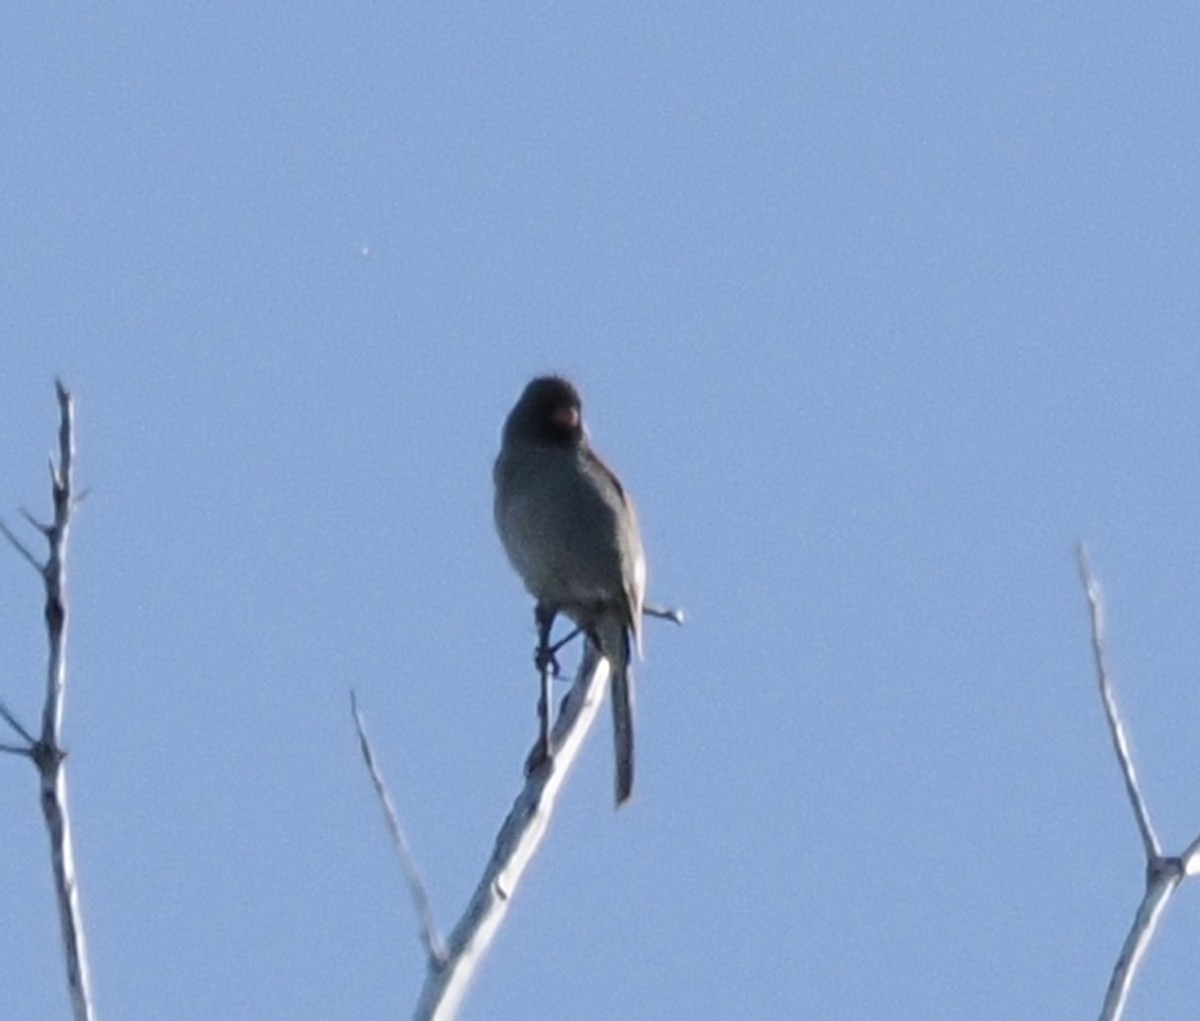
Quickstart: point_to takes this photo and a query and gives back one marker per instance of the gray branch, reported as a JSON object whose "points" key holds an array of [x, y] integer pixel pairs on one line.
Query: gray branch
{"points": [[1163, 874], [47, 752], [451, 966], [429, 933], [1116, 730], [521, 834]]}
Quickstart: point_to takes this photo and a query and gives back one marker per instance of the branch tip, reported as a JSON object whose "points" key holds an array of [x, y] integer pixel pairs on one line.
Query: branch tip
{"points": [[434, 946], [1116, 728], [672, 613]]}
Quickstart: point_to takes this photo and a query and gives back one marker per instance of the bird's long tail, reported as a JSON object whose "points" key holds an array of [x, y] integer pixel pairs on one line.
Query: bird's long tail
{"points": [[610, 634], [622, 709]]}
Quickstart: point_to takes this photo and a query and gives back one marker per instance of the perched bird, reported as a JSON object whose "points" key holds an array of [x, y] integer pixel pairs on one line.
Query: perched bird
{"points": [[571, 533]]}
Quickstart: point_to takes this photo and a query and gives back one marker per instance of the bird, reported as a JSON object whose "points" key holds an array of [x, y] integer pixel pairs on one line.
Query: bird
{"points": [[570, 531]]}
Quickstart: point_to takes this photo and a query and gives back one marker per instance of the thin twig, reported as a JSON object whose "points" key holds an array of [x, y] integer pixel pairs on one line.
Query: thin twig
{"points": [[434, 946], [671, 613], [668, 613], [1150, 841], [21, 548], [42, 529], [517, 842], [16, 725]]}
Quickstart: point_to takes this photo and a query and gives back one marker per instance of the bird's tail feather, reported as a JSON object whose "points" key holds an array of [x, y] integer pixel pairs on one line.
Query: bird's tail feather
{"points": [[622, 709], [611, 636]]}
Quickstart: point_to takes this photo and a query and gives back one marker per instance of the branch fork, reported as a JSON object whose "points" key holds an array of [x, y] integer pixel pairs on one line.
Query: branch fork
{"points": [[1163, 873], [451, 963]]}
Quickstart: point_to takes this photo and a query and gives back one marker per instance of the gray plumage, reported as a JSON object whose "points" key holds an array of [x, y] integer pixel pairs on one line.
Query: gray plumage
{"points": [[571, 532]]}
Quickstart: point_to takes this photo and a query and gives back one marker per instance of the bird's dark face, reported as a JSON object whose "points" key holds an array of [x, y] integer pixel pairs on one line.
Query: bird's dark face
{"points": [[550, 412]]}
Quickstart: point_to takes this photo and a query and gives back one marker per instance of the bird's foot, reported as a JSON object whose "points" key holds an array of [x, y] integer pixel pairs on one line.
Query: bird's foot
{"points": [[546, 661], [539, 758], [545, 657]]}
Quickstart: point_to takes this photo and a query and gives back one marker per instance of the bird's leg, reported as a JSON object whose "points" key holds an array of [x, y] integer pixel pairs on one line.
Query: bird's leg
{"points": [[547, 669], [544, 656], [560, 643]]}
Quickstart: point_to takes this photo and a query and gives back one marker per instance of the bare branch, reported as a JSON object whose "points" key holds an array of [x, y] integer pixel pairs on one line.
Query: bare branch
{"points": [[1145, 922], [1116, 730], [429, 934], [1163, 874], [47, 751], [517, 842]]}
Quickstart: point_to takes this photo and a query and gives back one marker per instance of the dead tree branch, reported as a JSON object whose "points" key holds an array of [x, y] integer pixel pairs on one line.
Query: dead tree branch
{"points": [[1164, 874], [452, 964], [46, 751], [519, 838], [432, 939]]}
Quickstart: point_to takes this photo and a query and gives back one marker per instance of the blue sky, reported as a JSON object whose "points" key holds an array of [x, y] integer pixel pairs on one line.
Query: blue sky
{"points": [[876, 309]]}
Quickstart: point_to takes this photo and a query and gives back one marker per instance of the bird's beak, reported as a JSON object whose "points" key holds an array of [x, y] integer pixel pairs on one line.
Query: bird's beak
{"points": [[567, 417]]}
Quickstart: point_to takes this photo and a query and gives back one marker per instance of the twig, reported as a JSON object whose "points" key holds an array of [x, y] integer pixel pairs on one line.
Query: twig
{"points": [[671, 613], [13, 722], [1116, 730], [47, 751], [517, 842], [21, 548], [1163, 874], [429, 934], [668, 613]]}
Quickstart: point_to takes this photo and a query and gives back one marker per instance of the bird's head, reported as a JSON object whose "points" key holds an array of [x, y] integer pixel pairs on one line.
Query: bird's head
{"points": [[549, 411]]}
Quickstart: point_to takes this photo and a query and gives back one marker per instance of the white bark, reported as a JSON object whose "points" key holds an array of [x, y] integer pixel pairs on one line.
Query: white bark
{"points": [[451, 964], [520, 836], [46, 752], [1164, 874]]}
